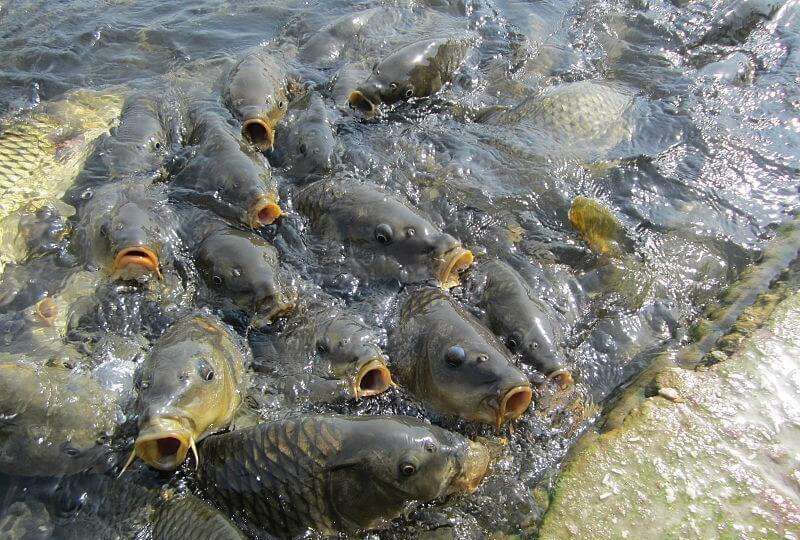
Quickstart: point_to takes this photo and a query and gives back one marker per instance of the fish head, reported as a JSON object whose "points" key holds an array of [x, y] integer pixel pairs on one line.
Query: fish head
{"points": [[533, 337], [134, 239], [465, 375], [244, 268], [397, 460], [354, 355], [315, 149], [186, 391], [391, 229]]}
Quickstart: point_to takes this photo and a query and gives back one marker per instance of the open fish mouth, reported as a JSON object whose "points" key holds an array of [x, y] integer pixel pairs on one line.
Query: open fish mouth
{"points": [[562, 377], [164, 449], [360, 102], [264, 212], [259, 133], [514, 404], [473, 470], [134, 262], [267, 315], [373, 378], [453, 263]]}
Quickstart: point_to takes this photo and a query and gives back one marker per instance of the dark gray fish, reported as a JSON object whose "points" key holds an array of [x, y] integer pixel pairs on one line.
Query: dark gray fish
{"points": [[330, 42], [386, 237], [191, 384], [186, 516], [128, 229], [416, 70], [256, 93], [223, 174], [335, 473], [305, 142], [331, 353], [446, 358], [523, 321]]}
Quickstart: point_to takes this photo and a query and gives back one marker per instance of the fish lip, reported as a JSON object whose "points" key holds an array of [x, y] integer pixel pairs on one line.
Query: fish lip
{"points": [[452, 263], [135, 261], [281, 309], [263, 212], [562, 377], [514, 403], [259, 133], [153, 439], [375, 375], [473, 470], [358, 101]]}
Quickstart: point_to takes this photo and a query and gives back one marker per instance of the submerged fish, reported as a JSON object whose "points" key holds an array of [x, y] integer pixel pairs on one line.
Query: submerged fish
{"points": [[332, 351], [52, 421], [523, 321], [191, 384], [186, 516], [446, 358], [256, 93], [240, 268], [388, 238], [328, 44], [305, 143], [597, 225], [223, 174], [335, 473], [42, 151], [416, 70], [128, 228]]}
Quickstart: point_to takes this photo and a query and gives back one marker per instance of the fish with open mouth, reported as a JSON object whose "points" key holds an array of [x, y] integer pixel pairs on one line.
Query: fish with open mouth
{"points": [[256, 93], [335, 473], [222, 173], [419, 69], [344, 354], [523, 321], [190, 386], [127, 228], [444, 356], [383, 235]]}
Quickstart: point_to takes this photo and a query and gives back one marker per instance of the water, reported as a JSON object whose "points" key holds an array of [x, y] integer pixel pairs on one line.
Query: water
{"points": [[700, 169]]}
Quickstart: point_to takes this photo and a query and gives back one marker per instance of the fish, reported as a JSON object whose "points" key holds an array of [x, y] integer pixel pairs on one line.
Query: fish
{"points": [[443, 356], [337, 346], [597, 225], [334, 473], [574, 119], [190, 386], [187, 516], [327, 44], [223, 174], [256, 93], [26, 520], [39, 228], [128, 229], [52, 420], [305, 143], [387, 238], [524, 322], [419, 69], [242, 269], [44, 149]]}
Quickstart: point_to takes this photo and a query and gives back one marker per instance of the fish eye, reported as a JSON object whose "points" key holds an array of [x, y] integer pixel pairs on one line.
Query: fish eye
{"points": [[87, 194], [104, 230], [303, 148], [101, 439], [393, 86], [407, 469], [513, 342], [411, 231], [236, 272], [205, 371], [217, 280], [455, 356], [535, 345], [481, 358], [384, 234], [430, 448], [281, 104], [409, 92], [70, 450]]}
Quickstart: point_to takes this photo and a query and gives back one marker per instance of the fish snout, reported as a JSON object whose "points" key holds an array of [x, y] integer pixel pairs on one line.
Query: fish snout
{"points": [[134, 262], [264, 211], [452, 263], [514, 402], [474, 467], [373, 378], [361, 100], [259, 132], [163, 443]]}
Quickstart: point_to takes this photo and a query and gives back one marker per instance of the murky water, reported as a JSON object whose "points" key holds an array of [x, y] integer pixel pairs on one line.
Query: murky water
{"points": [[697, 154]]}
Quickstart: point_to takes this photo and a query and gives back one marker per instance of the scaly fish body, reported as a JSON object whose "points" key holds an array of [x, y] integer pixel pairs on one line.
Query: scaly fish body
{"points": [[334, 473]]}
